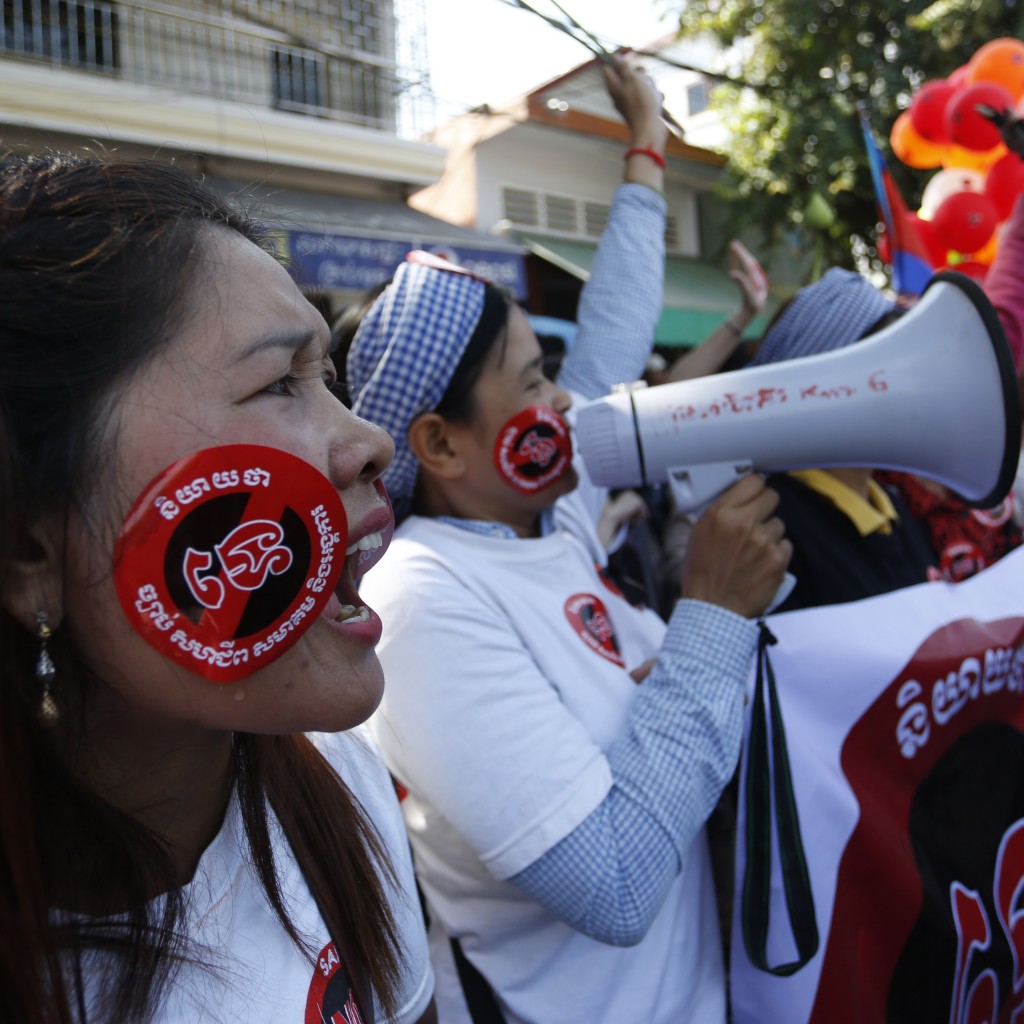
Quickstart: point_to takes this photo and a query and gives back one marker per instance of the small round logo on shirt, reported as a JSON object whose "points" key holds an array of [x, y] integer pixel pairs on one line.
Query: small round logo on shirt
{"points": [[534, 449], [229, 556], [331, 998], [589, 617], [959, 560]]}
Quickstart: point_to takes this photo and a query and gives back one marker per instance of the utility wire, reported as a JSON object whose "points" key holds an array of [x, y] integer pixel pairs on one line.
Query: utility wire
{"points": [[594, 45], [602, 49]]}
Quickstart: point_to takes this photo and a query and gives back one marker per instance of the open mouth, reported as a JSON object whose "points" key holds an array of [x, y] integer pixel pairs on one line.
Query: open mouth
{"points": [[345, 606], [362, 555]]}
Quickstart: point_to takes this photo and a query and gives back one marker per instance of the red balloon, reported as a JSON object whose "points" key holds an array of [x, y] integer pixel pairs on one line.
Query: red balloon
{"points": [[928, 110], [937, 252], [965, 125], [987, 253], [1004, 183], [965, 221]]}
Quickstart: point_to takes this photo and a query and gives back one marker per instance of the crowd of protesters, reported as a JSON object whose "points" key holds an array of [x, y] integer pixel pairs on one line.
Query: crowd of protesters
{"points": [[200, 827]]}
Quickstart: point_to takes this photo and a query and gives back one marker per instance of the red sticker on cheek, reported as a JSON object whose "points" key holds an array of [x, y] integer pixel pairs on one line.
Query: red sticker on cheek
{"points": [[229, 556], [534, 449]]}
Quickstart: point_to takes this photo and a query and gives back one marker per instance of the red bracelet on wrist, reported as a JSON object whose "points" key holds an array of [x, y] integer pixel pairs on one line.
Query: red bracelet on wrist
{"points": [[648, 151]]}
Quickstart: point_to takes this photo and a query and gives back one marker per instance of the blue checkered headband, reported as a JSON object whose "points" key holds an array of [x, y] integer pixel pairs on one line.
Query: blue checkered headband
{"points": [[406, 351], [830, 314]]}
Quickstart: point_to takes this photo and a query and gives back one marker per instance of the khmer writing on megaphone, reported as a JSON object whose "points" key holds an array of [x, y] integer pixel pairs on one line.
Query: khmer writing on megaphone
{"points": [[934, 394]]}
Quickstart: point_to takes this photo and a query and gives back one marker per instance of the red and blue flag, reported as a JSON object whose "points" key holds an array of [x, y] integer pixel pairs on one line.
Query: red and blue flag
{"points": [[909, 262]]}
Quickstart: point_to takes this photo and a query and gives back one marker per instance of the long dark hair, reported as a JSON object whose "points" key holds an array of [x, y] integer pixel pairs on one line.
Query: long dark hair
{"points": [[94, 269]]}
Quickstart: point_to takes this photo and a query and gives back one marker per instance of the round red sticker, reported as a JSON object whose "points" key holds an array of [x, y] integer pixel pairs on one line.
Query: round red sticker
{"points": [[229, 556], [534, 449], [331, 997], [588, 615]]}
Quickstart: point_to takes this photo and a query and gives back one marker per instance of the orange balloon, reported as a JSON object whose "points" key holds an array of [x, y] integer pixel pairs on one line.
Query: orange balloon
{"points": [[911, 147], [960, 157], [1000, 61], [987, 253]]}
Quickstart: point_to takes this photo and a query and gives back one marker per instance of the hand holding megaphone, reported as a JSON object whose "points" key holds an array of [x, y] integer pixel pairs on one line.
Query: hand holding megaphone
{"points": [[737, 555]]}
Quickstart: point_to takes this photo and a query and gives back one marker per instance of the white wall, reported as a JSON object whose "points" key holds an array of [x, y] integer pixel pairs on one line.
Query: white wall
{"points": [[541, 159]]}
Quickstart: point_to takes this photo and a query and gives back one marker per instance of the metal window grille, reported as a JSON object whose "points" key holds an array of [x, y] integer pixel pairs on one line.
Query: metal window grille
{"points": [[75, 33], [299, 80], [359, 61], [360, 26]]}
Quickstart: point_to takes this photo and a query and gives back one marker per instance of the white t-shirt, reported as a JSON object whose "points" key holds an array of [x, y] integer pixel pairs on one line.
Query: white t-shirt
{"points": [[254, 973], [507, 680]]}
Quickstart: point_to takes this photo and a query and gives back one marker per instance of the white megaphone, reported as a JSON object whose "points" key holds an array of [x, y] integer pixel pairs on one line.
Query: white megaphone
{"points": [[934, 394]]}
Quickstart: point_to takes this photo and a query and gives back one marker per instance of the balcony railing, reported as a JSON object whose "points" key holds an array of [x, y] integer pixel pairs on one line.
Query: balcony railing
{"points": [[196, 52]]}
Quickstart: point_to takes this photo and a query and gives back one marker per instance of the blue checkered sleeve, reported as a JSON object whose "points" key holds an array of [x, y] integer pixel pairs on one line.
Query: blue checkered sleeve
{"points": [[609, 876], [621, 302]]}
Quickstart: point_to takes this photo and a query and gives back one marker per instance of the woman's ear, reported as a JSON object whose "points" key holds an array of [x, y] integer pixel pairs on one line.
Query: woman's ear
{"points": [[34, 579], [434, 442]]}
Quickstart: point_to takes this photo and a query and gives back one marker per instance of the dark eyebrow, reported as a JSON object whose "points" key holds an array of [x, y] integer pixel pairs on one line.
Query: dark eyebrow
{"points": [[533, 364], [288, 340]]}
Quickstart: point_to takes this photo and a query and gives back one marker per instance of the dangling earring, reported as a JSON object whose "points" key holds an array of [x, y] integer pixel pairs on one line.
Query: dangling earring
{"points": [[46, 672]]}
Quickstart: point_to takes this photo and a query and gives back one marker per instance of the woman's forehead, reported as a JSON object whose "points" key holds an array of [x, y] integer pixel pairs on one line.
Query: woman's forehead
{"points": [[522, 345], [241, 286]]}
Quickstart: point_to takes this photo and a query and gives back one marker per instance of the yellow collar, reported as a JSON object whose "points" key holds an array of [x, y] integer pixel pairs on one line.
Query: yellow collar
{"points": [[876, 515]]}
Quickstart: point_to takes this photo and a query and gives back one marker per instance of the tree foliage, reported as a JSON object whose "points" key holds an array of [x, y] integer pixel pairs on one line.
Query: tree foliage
{"points": [[808, 64]]}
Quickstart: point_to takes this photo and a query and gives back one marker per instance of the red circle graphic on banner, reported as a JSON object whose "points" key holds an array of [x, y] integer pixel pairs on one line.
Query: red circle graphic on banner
{"points": [[534, 449], [229, 556]]}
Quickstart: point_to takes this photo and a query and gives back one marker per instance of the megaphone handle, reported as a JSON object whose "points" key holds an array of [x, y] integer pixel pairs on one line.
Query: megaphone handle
{"points": [[695, 487]]}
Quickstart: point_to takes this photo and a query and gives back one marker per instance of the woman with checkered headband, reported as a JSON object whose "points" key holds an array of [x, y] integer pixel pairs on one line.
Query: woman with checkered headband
{"points": [[558, 749]]}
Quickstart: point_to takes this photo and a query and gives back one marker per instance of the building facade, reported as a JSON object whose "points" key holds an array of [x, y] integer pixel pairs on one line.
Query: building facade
{"points": [[308, 109], [542, 171]]}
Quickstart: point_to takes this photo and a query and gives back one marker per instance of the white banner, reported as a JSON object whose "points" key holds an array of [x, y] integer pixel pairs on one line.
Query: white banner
{"points": [[904, 720]]}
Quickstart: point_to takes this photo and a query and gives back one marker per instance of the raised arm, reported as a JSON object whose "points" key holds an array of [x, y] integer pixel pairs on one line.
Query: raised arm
{"points": [[608, 877], [622, 300], [710, 356]]}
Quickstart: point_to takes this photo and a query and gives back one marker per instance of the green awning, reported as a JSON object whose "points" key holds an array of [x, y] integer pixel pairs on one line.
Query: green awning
{"points": [[698, 295]]}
